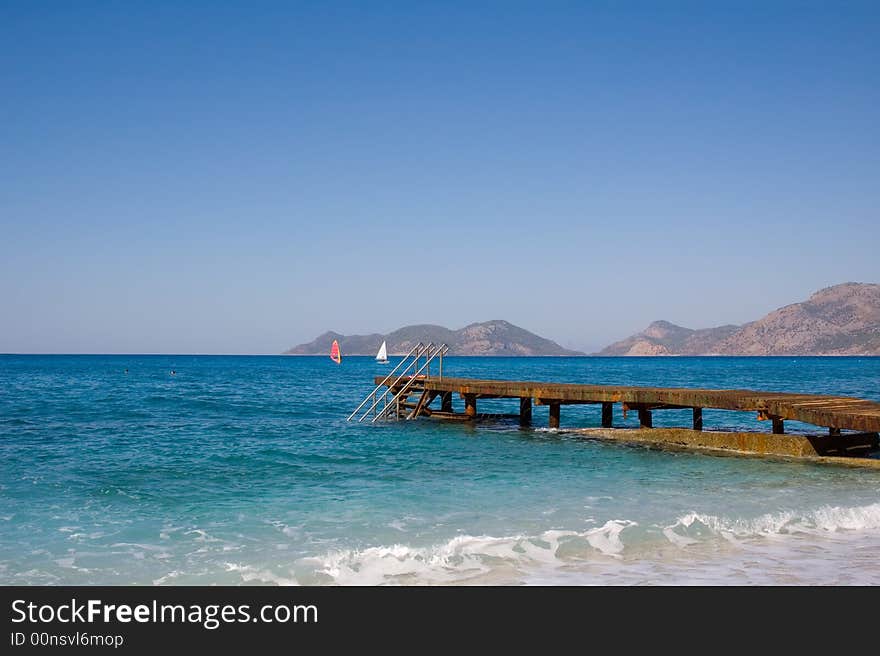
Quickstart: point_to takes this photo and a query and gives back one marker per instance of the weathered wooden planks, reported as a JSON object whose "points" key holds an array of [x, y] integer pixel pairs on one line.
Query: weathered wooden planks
{"points": [[833, 412]]}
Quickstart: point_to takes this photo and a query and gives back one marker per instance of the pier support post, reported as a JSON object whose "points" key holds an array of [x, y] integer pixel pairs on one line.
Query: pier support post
{"points": [[778, 426], [607, 410], [645, 420], [554, 415], [698, 419], [470, 405], [834, 432], [446, 402], [525, 411]]}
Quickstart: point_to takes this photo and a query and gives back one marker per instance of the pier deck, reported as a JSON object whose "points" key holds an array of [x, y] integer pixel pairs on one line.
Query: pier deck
{"points": [[834, 413]]}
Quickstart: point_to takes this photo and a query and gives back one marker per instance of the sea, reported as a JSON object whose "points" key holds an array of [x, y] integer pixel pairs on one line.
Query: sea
{"points": [[244, 470]]}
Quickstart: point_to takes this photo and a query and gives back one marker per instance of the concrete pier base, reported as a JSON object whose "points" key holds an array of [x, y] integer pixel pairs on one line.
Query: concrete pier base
{"points": [[607, 414], [470, 405], [554, 415], [698, 419], [858, 444], [525, 411]]}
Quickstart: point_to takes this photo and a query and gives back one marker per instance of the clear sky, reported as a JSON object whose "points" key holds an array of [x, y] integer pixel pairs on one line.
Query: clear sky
{"points": [[240, 177]]}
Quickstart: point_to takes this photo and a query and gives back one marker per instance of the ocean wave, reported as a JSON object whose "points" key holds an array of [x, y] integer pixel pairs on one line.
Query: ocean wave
{"points": [[688, 528], [465, 558], [485, 559]]}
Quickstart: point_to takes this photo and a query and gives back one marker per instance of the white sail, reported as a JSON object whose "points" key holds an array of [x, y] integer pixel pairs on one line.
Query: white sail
{"points": [[382, 355]]}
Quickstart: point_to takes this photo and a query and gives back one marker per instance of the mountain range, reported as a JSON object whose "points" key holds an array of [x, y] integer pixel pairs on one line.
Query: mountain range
{"points": [[496, 337], [839, 320]]}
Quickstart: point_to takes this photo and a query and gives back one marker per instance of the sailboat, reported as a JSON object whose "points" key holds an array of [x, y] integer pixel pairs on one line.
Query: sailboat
{"points": [[335, 354], [382, 355]]}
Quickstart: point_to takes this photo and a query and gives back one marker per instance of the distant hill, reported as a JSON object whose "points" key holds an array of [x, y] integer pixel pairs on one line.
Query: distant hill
{"points": [[496, 337], [839, 320], [664, 338]]}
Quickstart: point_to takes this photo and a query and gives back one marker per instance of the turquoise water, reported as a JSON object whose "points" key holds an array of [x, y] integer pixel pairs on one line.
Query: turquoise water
{"points": [[244, 470]]}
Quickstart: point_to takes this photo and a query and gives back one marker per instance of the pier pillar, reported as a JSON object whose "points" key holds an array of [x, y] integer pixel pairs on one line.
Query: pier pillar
{"points": [[698, 419], [470, 405], [554, 415], [834, 432], [778, 426], [645, 420], [525, 411], [446, 402], [607, 410]]}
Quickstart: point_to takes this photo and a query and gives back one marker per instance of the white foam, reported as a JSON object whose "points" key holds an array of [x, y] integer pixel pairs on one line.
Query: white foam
{"points": [[85, 536], [137, 545], [250, 573], [847, 519], [606, 538], [464, 558], [167, 578], [201, 536], [456, 560], [165, 533], [824, 520], [485, 559], [70, 563]]}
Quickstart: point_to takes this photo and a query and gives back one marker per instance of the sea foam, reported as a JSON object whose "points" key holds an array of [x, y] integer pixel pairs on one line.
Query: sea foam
{"points": [[488, 559], [465, 558], [826, 519]]}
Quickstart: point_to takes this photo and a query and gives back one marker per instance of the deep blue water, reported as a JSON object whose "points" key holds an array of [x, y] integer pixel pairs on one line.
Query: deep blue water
{"points": [[244, 470]]}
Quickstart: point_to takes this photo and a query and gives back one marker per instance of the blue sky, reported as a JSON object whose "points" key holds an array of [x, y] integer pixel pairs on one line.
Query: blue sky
{"points": [[239, 177]]}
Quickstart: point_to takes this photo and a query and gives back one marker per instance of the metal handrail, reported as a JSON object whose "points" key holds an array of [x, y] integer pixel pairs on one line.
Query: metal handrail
{"points": [[439, 354], [387, 378], [443, 348], [440, 349], [376, 401], [403, 374]]}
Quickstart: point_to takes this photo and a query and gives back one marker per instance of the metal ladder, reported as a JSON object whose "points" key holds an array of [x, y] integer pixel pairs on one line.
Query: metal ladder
{"points": [[392, 403]]}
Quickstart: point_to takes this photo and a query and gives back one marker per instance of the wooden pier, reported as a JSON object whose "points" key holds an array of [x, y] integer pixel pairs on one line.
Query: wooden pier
{"points": [[834, 414]]}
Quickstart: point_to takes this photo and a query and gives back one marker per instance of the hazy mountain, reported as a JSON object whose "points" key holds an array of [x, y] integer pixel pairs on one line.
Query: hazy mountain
{"points": [[664, 338], [489, 338], [839, 320]]}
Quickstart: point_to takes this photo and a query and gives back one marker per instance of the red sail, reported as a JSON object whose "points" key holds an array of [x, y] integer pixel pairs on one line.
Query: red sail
{"points": [[335, 355]]}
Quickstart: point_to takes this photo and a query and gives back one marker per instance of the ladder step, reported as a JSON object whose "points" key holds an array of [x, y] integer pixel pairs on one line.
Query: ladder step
{"points": [[405, 386]]}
